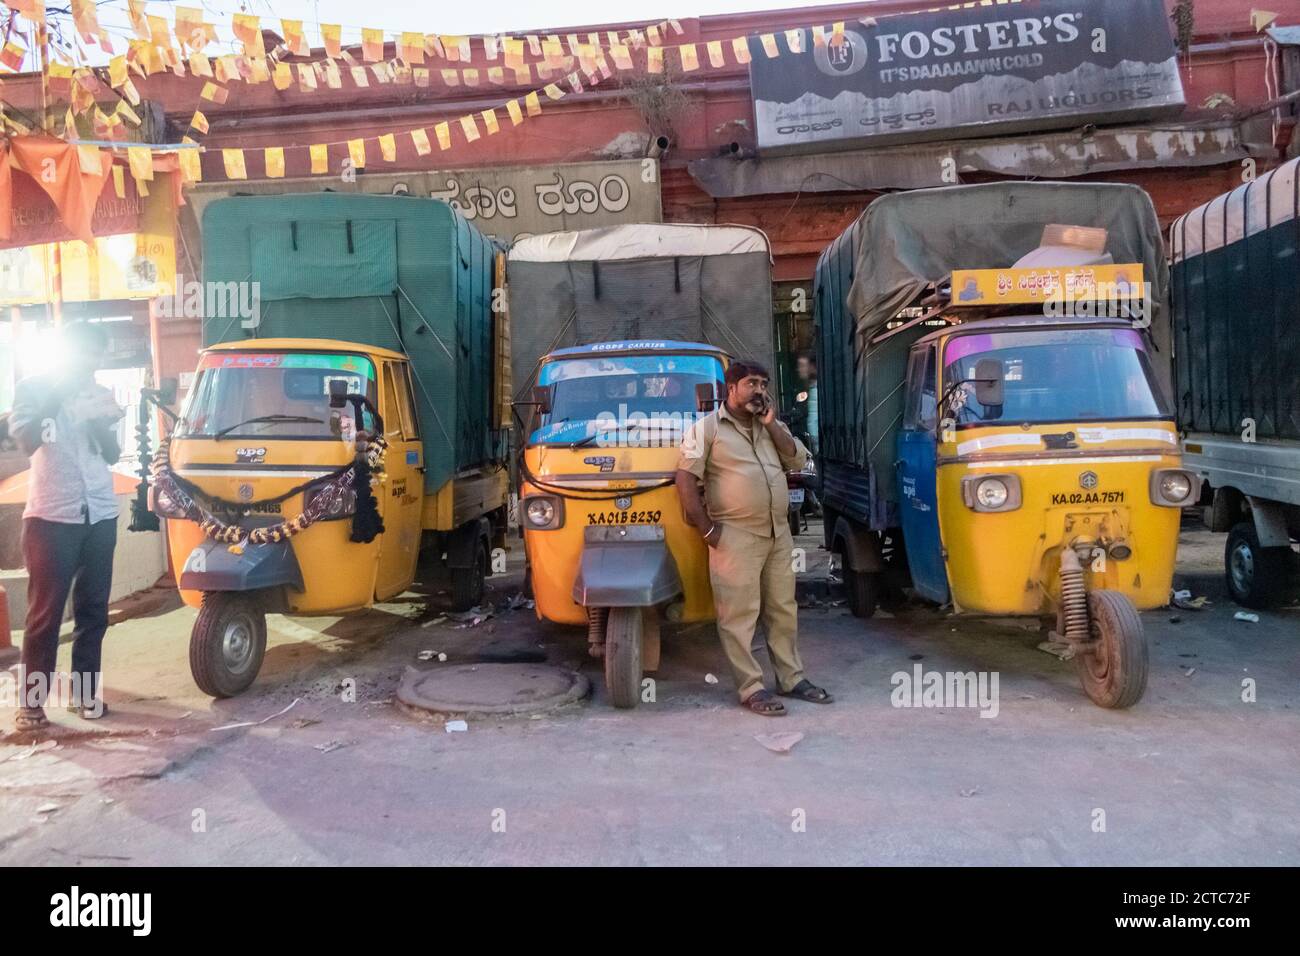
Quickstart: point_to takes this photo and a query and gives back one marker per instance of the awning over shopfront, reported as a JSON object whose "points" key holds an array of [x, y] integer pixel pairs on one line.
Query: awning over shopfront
{"points": [[1061, 155]]}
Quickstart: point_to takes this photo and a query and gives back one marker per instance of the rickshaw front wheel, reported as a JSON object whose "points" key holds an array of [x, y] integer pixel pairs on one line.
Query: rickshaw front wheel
{"points": [[1114, 671], [624, 629], [228, 643]]}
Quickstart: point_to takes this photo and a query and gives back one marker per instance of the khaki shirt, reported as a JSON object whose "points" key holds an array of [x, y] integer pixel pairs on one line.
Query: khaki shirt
{"points": [[742, 471]]}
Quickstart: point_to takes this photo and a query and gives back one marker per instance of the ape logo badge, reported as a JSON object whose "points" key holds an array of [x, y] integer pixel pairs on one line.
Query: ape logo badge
{"points": [[250, 456], [603, 462], [623, 503], [1088, 480], [245, 492]]}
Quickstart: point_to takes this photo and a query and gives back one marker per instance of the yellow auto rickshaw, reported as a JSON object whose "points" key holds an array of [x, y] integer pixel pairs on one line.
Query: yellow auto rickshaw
{"points": [[607, 542], [293, 481]]}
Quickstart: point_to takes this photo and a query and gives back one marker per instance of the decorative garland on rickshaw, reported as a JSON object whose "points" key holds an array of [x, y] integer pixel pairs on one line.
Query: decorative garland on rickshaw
{"points": [[357, 476]]}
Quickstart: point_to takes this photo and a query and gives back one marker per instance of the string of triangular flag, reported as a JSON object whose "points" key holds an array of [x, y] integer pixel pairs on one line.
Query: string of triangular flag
{"points": [[517, 109]]}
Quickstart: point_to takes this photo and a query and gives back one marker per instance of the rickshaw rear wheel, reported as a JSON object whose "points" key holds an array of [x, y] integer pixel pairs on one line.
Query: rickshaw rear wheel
{"points": [[1114, 673], [624, 629], [228, 643], [862, 589], [467, 584]]}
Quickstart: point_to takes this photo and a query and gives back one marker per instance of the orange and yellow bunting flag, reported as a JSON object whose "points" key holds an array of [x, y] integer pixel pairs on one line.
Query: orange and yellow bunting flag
{"points": [[199, 122], [516, 114], [388, 147], [331, 35], [372, 45], [140, 159], [469, 127], [421, 141], [233, 159], [295, 38], [357, 152], [320, 158], [191, 167], [689, 60], [274, 156], [443, 132]]}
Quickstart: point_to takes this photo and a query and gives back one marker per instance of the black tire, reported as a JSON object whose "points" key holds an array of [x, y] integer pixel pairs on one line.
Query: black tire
{"points": [[1115, 674], [228, 643], [796, 525], [467, 584], [862, 590], [623, 632], [1257, 577]]}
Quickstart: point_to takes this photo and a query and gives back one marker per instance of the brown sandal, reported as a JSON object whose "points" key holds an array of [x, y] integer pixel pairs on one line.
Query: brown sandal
{"points": [[807, 690], [31, 718], [764, 704]]}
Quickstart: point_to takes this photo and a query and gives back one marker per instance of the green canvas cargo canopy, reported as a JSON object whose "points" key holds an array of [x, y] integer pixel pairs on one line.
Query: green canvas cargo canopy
{"points": [[401, 272], [690, 283], [906, 243]]}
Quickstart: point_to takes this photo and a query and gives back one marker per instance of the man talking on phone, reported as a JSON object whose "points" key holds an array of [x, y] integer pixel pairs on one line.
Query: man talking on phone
{"points": [[741, 453]]}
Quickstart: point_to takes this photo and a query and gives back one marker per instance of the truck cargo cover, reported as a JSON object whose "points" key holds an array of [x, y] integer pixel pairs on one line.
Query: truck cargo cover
{"points": [[709, 284], [908, 240]]}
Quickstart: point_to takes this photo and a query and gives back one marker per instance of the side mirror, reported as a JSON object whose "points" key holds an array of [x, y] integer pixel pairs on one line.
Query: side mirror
{"points": [[542, 399], [989, 382], [167, 391], [705, 397], [338, 393]]}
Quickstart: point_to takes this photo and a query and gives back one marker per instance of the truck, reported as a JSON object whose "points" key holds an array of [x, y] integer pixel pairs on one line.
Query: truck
{"points": [[1235, 289], [348, 417], [995, 430]]}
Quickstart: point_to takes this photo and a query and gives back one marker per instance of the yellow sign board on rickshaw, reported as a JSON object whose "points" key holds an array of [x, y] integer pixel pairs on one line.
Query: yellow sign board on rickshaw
{"points": [[976, 287]]}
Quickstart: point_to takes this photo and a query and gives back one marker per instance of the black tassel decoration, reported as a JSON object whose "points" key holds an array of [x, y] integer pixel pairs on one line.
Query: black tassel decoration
{"points": [[366, 523], [142, 519]]}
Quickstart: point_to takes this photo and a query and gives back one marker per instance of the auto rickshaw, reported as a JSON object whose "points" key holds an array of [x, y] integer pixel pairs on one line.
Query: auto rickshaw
{"points": [[293, 482], [606, 538], [1040, 473]]}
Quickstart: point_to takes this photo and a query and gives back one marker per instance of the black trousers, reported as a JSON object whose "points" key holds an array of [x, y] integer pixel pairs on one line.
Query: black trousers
{"points": [[63, 558]]}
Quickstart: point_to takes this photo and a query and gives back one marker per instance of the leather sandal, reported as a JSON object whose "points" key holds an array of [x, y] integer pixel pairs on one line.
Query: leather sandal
{"points": [[31, 718], [807, 690], [764, 704]]}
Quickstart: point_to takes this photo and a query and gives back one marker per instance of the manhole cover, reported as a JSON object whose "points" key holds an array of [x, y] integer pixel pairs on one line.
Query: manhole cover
{"points": [[491, 688]]}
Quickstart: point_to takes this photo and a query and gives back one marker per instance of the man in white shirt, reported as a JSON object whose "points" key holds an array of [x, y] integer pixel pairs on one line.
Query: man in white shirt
{"points": [[65, 423]]}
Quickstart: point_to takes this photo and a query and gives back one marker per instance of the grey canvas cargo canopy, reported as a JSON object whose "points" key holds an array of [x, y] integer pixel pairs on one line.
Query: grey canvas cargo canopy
{"points": [[693, 283], [907, 241]]}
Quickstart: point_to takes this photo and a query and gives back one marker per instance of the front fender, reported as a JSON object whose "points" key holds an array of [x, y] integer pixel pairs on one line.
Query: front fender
{"points": [[212, 566], [627, 566]]}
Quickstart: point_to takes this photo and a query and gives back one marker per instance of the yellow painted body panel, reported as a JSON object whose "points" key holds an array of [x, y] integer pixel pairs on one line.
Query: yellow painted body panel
{"points": [[1008, 562], [554, 555], [338, 574]]}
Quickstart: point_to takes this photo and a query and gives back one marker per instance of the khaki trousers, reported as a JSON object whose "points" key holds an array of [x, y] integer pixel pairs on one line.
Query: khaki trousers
{"points": [[753, 576]]}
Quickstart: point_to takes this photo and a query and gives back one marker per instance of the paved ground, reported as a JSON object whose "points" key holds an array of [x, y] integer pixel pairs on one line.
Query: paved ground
{"points": [[1192, 775]]}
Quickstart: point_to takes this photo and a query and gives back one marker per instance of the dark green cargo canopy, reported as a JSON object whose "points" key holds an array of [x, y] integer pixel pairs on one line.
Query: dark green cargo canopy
{"points": [[400, 272]]}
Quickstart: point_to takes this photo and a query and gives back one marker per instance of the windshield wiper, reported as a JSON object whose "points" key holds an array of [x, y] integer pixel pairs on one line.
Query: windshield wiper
{"points": [[267, 419]]}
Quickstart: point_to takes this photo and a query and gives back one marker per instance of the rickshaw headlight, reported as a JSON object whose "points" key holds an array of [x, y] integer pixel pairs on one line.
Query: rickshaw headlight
{"points": [[543, 512], [1173, 487], [991, 492]]}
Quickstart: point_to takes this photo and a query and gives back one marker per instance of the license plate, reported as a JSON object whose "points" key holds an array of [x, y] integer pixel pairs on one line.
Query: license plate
{"points": [[796, 496], [624, 517]]}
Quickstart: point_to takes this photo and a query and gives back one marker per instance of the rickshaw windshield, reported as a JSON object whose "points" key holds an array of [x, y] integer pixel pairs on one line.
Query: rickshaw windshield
{"points": [[275, 395], [1055, 375], [624, 399]]}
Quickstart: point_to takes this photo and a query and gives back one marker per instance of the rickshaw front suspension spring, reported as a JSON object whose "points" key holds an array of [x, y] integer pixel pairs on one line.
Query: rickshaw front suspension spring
{"points": [[1074, 597], [596, 617]]}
